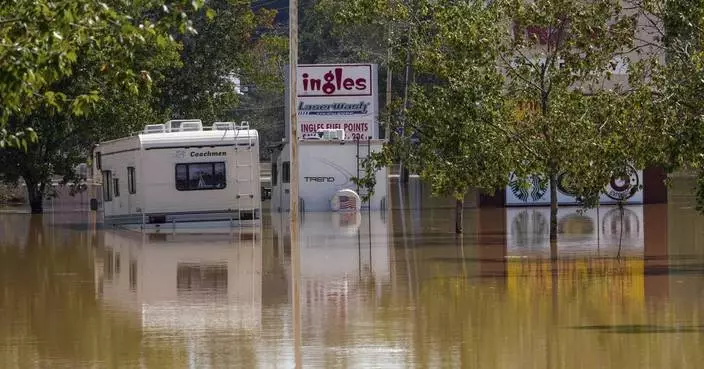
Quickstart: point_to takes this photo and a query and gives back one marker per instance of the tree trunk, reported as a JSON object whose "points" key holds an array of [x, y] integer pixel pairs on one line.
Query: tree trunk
{"points": [[459, 215], [35, 194], [553, 206], [405, 175]]}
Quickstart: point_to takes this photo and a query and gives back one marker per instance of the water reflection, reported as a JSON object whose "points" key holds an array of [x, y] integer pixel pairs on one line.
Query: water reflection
{"points": [[579, 231], [186, 282], [376, 290]]}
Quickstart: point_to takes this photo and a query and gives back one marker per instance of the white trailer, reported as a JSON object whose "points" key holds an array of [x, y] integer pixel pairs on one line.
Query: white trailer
{"points": [[179, 173], [327, 164]]}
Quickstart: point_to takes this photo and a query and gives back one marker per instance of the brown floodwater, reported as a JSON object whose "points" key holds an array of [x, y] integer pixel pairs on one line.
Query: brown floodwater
{"points": [[380, 290]]}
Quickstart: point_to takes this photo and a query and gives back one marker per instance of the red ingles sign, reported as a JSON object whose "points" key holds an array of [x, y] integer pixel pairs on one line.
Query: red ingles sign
{"points": [[335, 80], [337, 96]]}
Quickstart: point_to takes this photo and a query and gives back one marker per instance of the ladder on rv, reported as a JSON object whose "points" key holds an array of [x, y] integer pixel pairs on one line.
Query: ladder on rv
{"points": [[362, 191], [244, 173]]}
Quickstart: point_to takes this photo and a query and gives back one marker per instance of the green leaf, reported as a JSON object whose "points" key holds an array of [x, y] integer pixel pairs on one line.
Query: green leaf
{"points": [[210, 13]]}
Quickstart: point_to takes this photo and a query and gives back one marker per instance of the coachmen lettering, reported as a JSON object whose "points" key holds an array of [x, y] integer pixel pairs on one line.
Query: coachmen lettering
{"points": [[207, 154]]}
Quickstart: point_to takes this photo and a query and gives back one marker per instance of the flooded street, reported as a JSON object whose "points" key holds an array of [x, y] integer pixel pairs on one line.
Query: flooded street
{"points": [[380, 290]]}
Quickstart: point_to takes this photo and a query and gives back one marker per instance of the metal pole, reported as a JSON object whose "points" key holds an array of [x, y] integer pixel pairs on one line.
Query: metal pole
{"points": [[293, 143]]}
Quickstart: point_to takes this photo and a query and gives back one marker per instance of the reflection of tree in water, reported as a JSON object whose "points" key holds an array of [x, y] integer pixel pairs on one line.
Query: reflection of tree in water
{"points": [[50, 313], [529, 228], [576, 226]]}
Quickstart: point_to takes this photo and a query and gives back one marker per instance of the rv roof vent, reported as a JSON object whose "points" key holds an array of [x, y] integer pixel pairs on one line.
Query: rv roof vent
{"points": [[176, 124], [223, 126], [191, 126], [155, 128]]}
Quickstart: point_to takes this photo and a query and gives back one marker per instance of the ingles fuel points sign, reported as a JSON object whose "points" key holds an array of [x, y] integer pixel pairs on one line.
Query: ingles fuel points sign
{"points": [[337, 96]]}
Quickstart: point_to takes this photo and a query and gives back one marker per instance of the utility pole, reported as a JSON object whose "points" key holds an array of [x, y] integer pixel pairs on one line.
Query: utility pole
{"points": [[387, 134], [293, 175]]}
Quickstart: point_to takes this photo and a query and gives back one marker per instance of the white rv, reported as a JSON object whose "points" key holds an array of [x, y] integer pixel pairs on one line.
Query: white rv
{"points": [[179, 173], [327, 164]]}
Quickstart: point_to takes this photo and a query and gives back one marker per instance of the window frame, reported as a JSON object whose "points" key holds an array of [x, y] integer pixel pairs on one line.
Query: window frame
{"points": [[212, 163], [131, 181], [107, 185]]}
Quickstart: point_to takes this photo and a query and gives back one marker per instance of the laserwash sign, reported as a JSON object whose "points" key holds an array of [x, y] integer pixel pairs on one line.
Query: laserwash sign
{"points": [[337, 96]]}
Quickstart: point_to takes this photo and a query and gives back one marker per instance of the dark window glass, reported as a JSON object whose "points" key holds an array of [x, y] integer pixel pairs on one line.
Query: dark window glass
{"points": [[98, 161], [274, 173], [107, 183], [131, 182], [286, 172], [200, 176], [117, 187]]}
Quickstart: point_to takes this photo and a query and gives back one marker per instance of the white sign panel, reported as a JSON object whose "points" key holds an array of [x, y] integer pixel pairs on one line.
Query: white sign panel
{"points": [[538, 192], [337, 96]]}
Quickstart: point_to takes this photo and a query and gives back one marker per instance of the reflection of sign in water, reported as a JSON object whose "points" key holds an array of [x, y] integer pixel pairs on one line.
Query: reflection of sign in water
{"points": [[611, 224], [622, 187], [575, 225], [529, 228], [588, 281], [533, 188]]}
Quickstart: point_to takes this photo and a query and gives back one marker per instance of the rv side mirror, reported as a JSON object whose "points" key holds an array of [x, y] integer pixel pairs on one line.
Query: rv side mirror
{"points": [[93, 204]]}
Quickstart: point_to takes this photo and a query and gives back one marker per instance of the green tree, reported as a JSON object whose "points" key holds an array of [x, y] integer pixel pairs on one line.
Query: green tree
{"points": [[454, 106], [101, 92], [221, 57], [108, 93], [579, 116], [680, 84], [41, 42]]}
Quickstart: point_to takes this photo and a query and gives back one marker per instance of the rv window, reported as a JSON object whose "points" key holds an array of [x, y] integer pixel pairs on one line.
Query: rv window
{"points": [[286, 172], [117, 187], [200, 176], [274, 173], [107, 183], [98, 160], [131, 183]]}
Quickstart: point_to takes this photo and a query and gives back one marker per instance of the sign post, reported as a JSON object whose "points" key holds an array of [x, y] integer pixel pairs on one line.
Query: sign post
{"points": [[293, 144]]}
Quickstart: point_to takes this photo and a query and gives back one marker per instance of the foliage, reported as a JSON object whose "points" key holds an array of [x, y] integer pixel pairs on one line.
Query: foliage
{"points": [[229, 51], [578, 114], [114, 57], [142, 72], [453, 130], [680, 84], [41, 42]]}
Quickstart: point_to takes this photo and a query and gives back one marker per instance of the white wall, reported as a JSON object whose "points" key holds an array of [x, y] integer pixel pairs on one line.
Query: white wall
{"points": [[325, 168]]}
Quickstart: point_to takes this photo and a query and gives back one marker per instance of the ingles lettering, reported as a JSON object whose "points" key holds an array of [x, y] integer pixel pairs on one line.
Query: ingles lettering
{"points": [[208, 153], [334, 81]]}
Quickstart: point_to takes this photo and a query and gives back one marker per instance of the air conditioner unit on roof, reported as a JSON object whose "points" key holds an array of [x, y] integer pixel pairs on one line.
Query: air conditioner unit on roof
{"points": [[155, 128], [176, 125]]}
